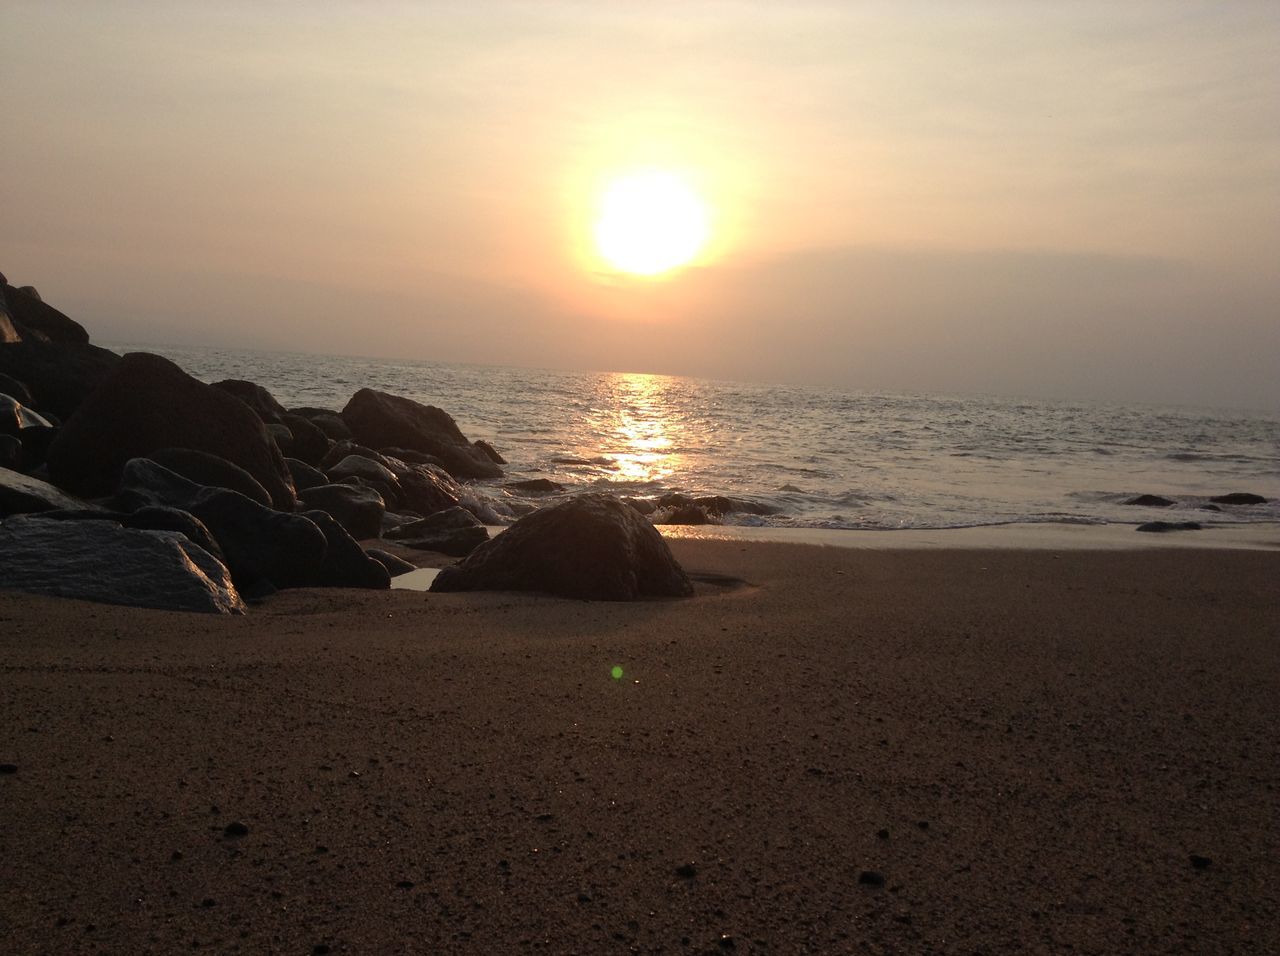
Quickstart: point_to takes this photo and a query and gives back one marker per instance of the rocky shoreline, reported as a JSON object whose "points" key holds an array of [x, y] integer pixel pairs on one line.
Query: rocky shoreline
{"points": [[125, 480]]}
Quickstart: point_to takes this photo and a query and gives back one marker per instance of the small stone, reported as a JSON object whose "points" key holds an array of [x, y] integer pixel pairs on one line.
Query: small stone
{"points": [[584, 897], [726, 941], [208, 902], [175, 855], [354, 774], [406, 884], [871, 878], [883, 834], [1200, 862], [686, 871], [8, 768], [923, 824], [236, 829], [320, 949]]}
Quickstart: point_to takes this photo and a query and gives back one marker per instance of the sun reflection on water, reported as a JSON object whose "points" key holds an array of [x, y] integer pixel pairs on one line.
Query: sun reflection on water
{"points": [[639, 419]]}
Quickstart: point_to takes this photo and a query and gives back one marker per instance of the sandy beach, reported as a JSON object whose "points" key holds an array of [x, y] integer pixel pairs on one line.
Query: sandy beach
{"points": [[855, 751]]}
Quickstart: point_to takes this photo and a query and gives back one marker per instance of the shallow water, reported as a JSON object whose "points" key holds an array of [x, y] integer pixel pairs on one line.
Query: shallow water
{"points": [[822, 457]]}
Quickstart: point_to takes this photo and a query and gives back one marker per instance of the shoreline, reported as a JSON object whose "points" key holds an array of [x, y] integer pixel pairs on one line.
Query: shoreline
{"points": [[901, 750]]}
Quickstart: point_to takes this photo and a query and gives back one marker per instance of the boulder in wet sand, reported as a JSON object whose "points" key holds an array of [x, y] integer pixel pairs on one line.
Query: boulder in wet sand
{"points": [[454, 531], [394, 564], [1150, 501], [1159, 527], [344, 565], [1239, 498], [147, 403], [101, 561], [381, 420], [593, 546]]}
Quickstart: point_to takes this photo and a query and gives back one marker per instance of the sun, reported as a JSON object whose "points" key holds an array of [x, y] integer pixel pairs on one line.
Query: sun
{"points": [[650, 222]]}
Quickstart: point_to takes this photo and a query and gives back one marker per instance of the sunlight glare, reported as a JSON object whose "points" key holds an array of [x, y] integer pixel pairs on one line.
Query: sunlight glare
{"points": [[650, 222]]}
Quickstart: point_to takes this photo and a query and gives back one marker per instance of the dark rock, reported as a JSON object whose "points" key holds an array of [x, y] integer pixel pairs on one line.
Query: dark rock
{"points": [[236, 829], [1150, 501], [345, 564], [210, 471], [310, 444], [592, 546], [720, 505], [454, 531], [686, 871], [1200, 862], [30, 313], [642, 505], [536, 486], [283, 438], [410, 456], [262, 402], [264, 549], [359, 510], [11, 454], [357, 466], [101, 561], [9, 334], [327, 420], [489, 451], [428, 489], [59, 377], [1239, 498], [1159, 527], [381, 420], [1210, 508], [345, 449], [22, 494], [150, 518], [148, 403], [15, 417], [871, 878], [395, 565], [16, 389], [303, 475], [35, 444]]}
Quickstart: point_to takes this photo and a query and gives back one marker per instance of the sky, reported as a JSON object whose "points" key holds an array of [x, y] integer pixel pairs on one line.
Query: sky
{"points": [[1076, 200]]}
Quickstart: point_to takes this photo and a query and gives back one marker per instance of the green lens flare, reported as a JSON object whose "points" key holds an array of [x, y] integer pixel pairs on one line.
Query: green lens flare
{"points": [[617, 672]]}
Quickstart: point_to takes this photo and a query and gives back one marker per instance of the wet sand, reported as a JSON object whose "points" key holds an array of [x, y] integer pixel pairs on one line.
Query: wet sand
{"points": [[1027, 747]]}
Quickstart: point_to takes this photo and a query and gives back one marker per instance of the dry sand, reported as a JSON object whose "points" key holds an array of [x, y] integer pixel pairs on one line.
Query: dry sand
{"points": [[1027, 746]]}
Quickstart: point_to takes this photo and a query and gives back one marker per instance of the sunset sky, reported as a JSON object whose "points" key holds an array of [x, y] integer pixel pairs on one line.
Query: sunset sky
{"points": [[1060, 199]]}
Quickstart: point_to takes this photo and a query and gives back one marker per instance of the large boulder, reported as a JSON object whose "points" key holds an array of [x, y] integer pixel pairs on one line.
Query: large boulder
{"points": [[30, 313], [454, 531], [1150, 501], [345, 564], [256, 397], [211, 472], [310, 444], [426, 489], [150, 518], [303, 475], [264, 549], [101, 561], [593, 546], [22, 494], [147, 403], [380, 420], [59, 376], [358, 509], [17, 389], [327, 420], [15, 416]]}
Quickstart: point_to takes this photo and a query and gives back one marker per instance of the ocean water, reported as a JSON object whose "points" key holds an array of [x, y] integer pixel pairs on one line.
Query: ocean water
{"points": [[817, 457]]}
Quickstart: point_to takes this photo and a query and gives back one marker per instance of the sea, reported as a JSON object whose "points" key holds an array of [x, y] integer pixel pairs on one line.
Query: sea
{"points": [[813, 457]]}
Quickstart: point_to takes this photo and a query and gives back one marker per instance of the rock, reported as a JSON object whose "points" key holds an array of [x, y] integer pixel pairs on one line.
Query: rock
{"points": [[17, 390], [720, 505], [395, 565], [427, 489], [1200, 862], [28, 312], [345, 564], [1150, 501], [1162, 526], [535, 486], [592, 546], [283, 438], [410, 456], [14, 417], [101, 561], [210, 471], [381, 420], [9, 334], [310, 444], [22, 494], [59, 377], [359, 510], [264, 549], [236, 829], [357, 466], [1239, 498], [489, 451], [454, 531], [35, 445], [1210, 508], [871, 878], [327, 420], [150, 518], [686, 871], [148, 403], [11, 453], [303, 475], [262, 402], [345, 449]]}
